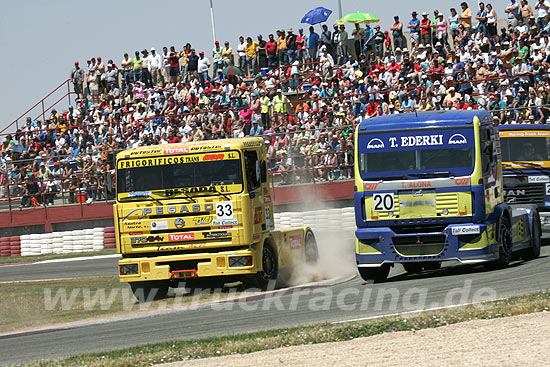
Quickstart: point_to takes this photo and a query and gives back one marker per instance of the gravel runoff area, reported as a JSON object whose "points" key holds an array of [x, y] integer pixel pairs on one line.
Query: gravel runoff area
{"points": [[510, 341]]}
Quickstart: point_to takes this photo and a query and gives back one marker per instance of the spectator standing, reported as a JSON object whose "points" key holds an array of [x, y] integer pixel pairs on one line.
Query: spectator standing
{"points": [[491, 21], [227, 55], [397, 33], [414, 29], [262, 53], [77, 78], [526, 11], [425, 29], [241, 52], [335, 40], [203, 64], [193, 65], [301, 45], [481, 18], [271, 49], [166, 66], [453, 23], [136, 68], [251, 49], [359, 35], [155, 68], [174, 60], [291, 45], [217, 58], [265, 103], [379, 38], [312, 42], [326, 38], [513, 12], [146, 73], [466, 17], [342, 45], [543, 8], [127, 66]]}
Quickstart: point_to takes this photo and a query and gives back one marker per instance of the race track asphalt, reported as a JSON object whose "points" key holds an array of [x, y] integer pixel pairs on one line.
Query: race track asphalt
{"points": [[348, 300], [98, 267]]}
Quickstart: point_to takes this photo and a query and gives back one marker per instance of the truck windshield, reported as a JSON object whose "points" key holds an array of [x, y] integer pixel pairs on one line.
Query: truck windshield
{"points": [[410, 153], [174, 175], [527, 149]]}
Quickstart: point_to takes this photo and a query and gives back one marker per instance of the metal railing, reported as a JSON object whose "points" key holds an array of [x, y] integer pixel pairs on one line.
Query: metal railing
{"points": [[41, 104]]}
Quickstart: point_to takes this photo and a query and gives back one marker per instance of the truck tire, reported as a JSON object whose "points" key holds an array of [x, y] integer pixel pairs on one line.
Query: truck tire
{"points": [[504, 246], [375, 275], [270, 269], [413, 268], [149, 291], [534, 251], [311, 251]]}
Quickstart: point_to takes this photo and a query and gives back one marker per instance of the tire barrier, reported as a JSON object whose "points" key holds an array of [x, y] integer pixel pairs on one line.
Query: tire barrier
{"points": [[109, 240], [324, 220], [82, 240]]}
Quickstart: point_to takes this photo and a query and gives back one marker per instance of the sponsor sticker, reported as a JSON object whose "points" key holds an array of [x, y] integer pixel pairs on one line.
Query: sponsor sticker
{"points": [[139, 194], [295, 242], [181, 150], [216, 234], [538, 179], [176, 237], [159, 225], [225, 222], [459, 230]]}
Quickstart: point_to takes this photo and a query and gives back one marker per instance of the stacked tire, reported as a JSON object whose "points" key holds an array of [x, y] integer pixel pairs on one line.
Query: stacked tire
{"points": [[15, 245], [5, 246], [109, 239], [98, 235]]}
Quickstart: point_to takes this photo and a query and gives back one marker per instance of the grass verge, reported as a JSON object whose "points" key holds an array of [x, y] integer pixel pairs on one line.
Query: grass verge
{"points": [[152, 354], [33, 305], [24, 259]]}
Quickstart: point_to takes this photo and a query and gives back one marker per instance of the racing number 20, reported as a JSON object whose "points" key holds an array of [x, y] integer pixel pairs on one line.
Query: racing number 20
{"points": [[224, 210], [383, 202]]}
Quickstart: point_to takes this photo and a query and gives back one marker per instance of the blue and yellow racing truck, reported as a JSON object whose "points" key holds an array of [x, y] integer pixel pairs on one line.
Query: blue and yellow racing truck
{"points": [[428, 189], [526, 167]]}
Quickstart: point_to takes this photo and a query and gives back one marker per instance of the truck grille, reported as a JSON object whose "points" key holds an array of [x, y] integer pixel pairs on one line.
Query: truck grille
{"points": [[447, 201], [419, 245], [524, 194]]}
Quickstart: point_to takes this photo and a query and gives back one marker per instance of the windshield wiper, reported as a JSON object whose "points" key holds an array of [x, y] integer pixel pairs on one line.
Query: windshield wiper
{"points": [[432, 174], [386, 178], [143, 194]]}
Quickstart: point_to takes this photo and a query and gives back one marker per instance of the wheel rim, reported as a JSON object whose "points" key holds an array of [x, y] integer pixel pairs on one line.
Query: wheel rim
{"points": [[311, 253], [506, 241], [267, 264]]}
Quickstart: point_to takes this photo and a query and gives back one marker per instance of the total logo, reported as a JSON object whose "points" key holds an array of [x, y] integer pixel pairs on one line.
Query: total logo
{"points": [[176, 237], [181, 150], [457, 139]]}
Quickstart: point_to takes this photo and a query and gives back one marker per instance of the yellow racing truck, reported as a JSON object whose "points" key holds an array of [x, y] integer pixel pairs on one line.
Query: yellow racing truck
{"points": [[201, 212]]}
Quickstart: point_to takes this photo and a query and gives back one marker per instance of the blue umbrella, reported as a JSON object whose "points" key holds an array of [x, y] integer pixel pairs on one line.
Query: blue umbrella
{"points": [[317, 15]]}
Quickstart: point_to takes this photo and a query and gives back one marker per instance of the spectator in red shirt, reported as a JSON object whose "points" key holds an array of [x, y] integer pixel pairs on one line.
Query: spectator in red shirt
{"points": [[271, 48]]}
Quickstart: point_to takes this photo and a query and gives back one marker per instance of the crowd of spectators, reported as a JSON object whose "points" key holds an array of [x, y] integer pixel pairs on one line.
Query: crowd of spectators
{"points": [[335, 79]]}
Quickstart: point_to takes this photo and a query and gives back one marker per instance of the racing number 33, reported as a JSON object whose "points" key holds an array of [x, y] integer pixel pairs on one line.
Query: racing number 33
{"points": [[383, 202], [224, 210]]}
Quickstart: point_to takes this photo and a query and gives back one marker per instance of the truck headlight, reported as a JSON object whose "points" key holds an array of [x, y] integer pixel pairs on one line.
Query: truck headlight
{"points": [[129, 269], [240, 261]]}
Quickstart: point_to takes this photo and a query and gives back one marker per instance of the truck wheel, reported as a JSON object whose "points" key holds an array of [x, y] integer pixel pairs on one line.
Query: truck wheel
{"points": [[312, 251], [149, 291], [270, 269], [413, 268], [375, 275], [504, 247], [534, 251]]}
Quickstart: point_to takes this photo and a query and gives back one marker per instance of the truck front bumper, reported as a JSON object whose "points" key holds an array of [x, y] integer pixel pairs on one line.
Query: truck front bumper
{"points": [[184, 266], [377, 246]]}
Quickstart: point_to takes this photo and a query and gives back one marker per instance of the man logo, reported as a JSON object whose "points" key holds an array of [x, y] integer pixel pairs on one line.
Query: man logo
{"points": [[457, 139], [375, 144], [179, 223]]}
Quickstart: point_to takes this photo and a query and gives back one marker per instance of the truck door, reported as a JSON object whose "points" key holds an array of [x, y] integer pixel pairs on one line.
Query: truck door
{"points": [[253, 186], [490, 165]]}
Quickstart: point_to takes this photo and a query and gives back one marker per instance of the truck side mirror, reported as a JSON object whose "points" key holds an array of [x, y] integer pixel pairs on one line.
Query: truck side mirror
{"points": [[258, 172], [263, 171]]}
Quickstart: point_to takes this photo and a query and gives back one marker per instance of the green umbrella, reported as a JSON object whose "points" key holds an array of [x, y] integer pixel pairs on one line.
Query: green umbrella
{"points": [[358, 17], [232, 70]]}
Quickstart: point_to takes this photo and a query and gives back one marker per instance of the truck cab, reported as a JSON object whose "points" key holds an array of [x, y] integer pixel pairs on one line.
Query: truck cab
{"points": [[429, 189], [200, 211], [526, 167]]}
